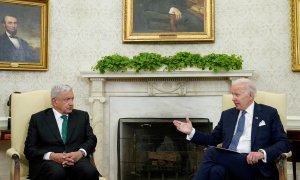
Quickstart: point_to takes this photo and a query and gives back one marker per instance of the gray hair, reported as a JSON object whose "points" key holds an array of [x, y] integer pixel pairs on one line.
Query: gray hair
{"points": [[248, 84], [57, 89]]}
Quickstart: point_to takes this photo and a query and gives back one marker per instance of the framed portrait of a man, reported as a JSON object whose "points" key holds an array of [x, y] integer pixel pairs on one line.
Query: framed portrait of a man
{"points": [[24, 35], [168, 21]]}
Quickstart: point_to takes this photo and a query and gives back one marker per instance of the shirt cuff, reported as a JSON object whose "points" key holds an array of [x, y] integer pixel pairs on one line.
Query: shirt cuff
{"points": [[84, 153], [265, 155], [47, 156], [190, 136], [172, 11]]}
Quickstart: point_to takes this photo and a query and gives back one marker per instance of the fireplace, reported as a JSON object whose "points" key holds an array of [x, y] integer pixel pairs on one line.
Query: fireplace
{"points": [[112, 96], [153, 149]]}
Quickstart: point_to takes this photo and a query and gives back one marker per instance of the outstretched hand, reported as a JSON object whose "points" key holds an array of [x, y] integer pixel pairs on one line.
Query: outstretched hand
{"points": [[184, 127]]}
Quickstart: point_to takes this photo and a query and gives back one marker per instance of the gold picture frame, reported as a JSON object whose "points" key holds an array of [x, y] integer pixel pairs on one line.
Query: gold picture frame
{"points": [[295, 34], [159, 21], [24, 35]]}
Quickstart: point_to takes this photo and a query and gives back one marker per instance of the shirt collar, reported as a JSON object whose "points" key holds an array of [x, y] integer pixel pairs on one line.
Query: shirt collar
{"points": [[9, 35], [58, 114], [250, 108]]}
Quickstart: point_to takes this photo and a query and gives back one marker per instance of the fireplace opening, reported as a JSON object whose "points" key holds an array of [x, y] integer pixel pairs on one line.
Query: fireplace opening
{"points": [[153, 149]]}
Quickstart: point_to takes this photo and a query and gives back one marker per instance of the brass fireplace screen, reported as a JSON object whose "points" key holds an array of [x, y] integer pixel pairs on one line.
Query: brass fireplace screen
{"points": [[152, 149]]}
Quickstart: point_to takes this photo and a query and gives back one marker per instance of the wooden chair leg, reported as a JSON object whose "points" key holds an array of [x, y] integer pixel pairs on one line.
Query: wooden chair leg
{"points": [[16, 167], [281, 169]]}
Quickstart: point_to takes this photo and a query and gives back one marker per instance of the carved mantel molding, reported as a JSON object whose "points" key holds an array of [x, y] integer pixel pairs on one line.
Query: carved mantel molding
{"points": [[166, 74], [147, 84]]}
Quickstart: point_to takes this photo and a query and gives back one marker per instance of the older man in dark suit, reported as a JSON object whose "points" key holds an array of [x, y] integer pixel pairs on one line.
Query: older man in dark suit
{"points": [[12, 47], [60, 141], [253, 131]]}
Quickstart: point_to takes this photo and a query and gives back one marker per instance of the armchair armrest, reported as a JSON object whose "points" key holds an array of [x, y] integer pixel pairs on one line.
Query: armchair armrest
{"points": [[286, 155], [11, 152], [15, 156], [281, 159]]}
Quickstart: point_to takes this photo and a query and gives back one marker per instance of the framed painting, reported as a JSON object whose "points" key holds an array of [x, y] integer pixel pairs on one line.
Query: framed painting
{"points": [[24, 35], [295, 36], [168, 21]]}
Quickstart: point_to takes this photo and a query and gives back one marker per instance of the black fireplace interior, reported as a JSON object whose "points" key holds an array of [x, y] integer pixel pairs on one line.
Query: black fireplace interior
{"points": [[153, 149]]}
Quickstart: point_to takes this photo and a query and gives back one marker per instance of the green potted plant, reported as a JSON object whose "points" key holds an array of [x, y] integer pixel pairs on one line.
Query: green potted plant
{"points": [[146, 61]]}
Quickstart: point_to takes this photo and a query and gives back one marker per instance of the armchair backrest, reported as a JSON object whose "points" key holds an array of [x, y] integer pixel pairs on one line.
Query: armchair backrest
{"points": [[22, 107], [276, 100]]}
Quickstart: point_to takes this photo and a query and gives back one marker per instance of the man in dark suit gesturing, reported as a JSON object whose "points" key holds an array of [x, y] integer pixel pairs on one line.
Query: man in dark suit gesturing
{"points": [[60, 140], [254, 131]]}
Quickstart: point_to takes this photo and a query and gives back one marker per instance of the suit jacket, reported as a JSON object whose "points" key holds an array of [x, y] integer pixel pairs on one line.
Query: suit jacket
{"points": [[44, 136], [8, 52], [271, 137]]}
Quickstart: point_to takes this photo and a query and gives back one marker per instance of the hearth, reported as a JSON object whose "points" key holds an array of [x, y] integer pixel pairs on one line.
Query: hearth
{"points": [[152, 149]]}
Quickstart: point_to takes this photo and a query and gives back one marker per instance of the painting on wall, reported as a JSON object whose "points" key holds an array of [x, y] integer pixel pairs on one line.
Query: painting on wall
{"points": [[295, 34], [168, 21], [24, 35]]}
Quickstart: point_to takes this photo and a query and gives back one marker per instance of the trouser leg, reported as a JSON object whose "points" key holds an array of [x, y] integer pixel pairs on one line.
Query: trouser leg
{"points": [[83, 170], [235, 165], [51, 170]]}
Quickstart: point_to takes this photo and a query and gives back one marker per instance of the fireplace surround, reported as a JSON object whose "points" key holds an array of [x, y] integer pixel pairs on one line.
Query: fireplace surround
{"points": [[153, 149], [150, 94]]}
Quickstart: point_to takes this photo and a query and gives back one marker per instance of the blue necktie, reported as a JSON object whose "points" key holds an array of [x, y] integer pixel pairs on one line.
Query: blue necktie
{"points": [[64, 128], [239, 131]]}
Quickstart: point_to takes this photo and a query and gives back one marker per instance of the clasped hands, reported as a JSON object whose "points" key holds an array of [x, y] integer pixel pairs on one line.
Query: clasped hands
{"points": [[66, 159]]}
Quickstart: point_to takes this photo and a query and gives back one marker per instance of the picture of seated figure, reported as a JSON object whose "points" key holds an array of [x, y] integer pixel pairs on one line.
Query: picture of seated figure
{"points": [[168, 16]]}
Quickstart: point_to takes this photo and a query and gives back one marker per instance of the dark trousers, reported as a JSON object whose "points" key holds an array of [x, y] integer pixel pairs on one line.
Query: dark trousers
{"points": [[219, 164], [82, 170]]}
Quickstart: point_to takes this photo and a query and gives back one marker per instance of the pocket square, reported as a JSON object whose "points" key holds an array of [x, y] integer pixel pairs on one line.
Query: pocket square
{"points": [[262, 123]]}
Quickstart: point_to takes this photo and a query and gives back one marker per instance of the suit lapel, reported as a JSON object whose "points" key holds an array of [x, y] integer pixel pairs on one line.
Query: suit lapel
{"points": [[255, 123], [9, 44], [71, 126], [233, 120], [52, 124], [235, 115]]}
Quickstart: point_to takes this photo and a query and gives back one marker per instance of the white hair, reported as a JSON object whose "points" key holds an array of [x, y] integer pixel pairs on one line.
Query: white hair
{"points": [[247, 83], [57, 89]]}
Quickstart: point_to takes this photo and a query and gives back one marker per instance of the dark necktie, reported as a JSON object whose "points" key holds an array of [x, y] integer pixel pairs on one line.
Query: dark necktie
{"points": [[64, 128], [239, 131]]}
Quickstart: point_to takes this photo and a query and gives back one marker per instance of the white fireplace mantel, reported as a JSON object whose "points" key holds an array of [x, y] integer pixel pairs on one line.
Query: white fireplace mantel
{"points": [[109, 90], [173, 74]]}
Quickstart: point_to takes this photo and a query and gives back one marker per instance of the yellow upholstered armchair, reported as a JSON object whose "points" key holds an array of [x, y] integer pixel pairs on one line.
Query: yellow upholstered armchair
{"points": [[276, 100], [23, 105]]}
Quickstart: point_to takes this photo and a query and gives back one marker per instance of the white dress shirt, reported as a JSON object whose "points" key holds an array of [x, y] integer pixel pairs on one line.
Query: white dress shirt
{"points": [[15, 41], [244, 145]]}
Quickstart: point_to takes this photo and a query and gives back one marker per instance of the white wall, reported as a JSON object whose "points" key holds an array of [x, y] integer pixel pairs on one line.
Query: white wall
{"points": [[82, 31]]}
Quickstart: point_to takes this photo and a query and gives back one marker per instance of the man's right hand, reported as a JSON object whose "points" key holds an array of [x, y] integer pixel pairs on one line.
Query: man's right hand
{"points": [[176, 12], [62, 158], [184, 127], [57, 157]]}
